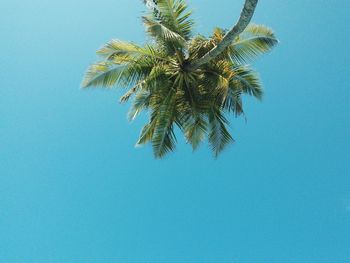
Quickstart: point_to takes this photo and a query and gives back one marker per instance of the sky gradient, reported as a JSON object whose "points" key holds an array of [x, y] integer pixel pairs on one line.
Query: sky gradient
{"points": [[74, 189]]}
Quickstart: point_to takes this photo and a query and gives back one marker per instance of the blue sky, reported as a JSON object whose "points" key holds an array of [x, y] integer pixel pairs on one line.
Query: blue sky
{"points": [[74, 189]]}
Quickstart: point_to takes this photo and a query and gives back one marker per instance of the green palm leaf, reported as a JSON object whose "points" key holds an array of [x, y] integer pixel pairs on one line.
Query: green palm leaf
{"points": [[160, 31], [196, 130], [174, 15], [121, 51], [103, 74], [219, 137], [147, 132], [253, 42], [163, 140], [247, 81], [140, 103]]}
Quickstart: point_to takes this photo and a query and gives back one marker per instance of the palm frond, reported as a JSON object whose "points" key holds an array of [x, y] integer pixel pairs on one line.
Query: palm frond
{"points": [[129, 93], [219, 137], [253, 42], [147, 132], [122, 51], [110, 73], [247, 81], [141, 102], [196, 130], [162, 32], [103, 74], [175, 15], [233, 101], [163, 140]]}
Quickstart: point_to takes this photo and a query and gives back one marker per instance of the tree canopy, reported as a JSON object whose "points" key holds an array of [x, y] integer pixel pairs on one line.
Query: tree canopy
{"points": [[168, 79]]}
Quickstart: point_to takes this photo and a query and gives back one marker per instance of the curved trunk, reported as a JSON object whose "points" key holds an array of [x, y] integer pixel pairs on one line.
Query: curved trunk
{"points": [[242, 23]]}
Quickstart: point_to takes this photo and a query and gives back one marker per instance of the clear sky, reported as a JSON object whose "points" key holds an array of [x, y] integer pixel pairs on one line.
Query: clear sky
{"points": [[74, 189]]}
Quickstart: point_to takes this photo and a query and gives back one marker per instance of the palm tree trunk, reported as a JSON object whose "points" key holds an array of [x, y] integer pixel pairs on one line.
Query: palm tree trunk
{"points": [[242, 23]]}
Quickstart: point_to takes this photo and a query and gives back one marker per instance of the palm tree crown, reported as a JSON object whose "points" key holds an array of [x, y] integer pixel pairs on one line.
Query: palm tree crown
{"points": [[160, 80]]}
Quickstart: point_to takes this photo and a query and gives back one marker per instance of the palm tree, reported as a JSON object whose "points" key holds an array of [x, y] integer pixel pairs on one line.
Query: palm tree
{"points": [[185, 81]]}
